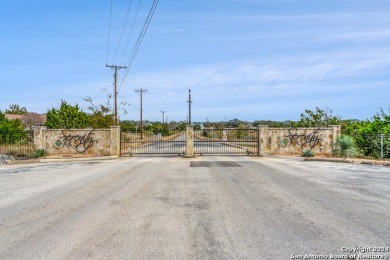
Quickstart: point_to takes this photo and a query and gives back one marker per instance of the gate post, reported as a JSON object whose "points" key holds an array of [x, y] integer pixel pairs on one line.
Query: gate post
{"points": [[115, 142], [38, 136], [262, 139], [189, 142]]}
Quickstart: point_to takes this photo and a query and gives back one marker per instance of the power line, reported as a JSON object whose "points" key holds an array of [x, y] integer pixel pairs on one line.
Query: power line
{"points": [[131, 31], [134, 52], [143, 32], [152, 103], [109, 32], [140, 38], [144, 111], [123, 28], [149, 98]]}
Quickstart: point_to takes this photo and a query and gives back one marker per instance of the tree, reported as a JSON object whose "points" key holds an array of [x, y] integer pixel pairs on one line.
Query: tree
{"points": [[368, 135], [196, 127], [271, 123], [67, 116], [11, 131], [103, 114], [234, 123], [351, 127], [318, 118], [16, 110], [9, 125], [181, 126], [158, 128], [379, 124], [129, 126]]}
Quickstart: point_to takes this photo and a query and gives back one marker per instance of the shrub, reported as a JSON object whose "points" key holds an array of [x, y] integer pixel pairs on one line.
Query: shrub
{"points": [[67, 116], [307, 153], [344, 146], [39, 153]]}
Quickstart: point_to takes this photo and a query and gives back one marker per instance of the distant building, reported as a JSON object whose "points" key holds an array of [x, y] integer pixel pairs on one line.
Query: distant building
{"points": [[29, 119]]}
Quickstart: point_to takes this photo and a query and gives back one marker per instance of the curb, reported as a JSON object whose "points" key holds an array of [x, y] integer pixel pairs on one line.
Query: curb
{"points": [[30, 161], [327, 160], [376, 163], [189, 156], [18, 162], [78, 159], [337, 160]]}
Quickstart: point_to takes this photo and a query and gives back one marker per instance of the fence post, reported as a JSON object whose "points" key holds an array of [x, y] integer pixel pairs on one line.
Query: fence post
{"points": [[382, 137], [115, 142], [189, 142], [262, 139]]}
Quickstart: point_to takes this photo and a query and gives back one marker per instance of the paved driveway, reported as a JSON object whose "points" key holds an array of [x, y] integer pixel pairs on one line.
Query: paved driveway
{"points": [[205, 208]]}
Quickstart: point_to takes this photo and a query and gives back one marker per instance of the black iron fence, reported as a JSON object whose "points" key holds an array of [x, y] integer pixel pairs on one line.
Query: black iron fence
{"points": [[372, 146], [226, 141], [19, 144], [150, 142]]}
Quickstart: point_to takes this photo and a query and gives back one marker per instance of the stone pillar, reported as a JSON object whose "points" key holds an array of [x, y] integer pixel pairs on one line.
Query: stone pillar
{"points": [[189, 142], [115, 141], [262, 139], [38, 136]]}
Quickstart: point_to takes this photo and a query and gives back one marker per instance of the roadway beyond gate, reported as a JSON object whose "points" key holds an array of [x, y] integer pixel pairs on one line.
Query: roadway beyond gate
{"points": [[227, 141], [206, 141]]}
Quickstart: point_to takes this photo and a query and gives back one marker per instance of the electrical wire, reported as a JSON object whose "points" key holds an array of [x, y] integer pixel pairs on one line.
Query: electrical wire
{"points": [[123, 29], [136, 47], [140, 39], [131, 31], [145, 28], [145, 111], [152, 104], [148, 98], [109, 33]]}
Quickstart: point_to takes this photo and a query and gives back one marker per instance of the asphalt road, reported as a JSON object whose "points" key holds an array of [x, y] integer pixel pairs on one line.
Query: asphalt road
{"points": [[220, 208]]}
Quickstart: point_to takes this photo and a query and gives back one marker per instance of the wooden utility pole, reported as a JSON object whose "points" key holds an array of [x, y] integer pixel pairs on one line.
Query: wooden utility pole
{"points": [[189, 107], [163, 113], [116, 68], [141, 129]]}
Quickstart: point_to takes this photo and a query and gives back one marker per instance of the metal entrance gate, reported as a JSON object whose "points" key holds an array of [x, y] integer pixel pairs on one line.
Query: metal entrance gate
{"points": [[19, 144], [227, 141], [151, 143]]}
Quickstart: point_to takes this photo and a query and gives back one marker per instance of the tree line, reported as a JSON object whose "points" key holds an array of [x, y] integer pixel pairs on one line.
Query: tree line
{"points": [[364, 132], [101, 116]]}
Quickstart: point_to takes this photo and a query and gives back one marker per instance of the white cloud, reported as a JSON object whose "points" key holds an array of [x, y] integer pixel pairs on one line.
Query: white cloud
{"points": [[302, 69], [368, 35], [239, 87]]}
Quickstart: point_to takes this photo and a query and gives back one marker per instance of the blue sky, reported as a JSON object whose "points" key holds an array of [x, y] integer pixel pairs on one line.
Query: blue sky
{"points": [[247, 59]]}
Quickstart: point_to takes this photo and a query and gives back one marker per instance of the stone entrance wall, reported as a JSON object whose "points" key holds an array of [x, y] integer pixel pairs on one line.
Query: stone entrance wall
{"points": [[78, 142], [292, 141], [106, 142]]}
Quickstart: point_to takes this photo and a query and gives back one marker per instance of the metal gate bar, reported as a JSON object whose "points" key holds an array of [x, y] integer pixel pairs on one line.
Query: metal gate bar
{"points": [[19, 144], [226, 141], [152, 143]]}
